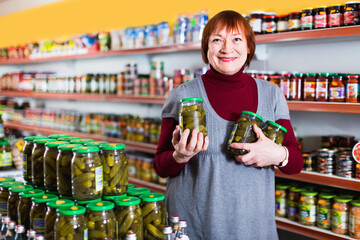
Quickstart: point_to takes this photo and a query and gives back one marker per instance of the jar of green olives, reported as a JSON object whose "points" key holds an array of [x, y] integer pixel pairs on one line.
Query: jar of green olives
{"points": [[115, 167], [71, 223], [51, 214], [324, 209], [243, 132], [57, 136], [27, 152], [13, 200], [274, 131], [86, 173], [293, 203], [4, 195], [192, 116], [129, 217], [24, 206], [307, 208], [50, 155], [101, 220], [38, 211], [154, 214], [6, 159], [37, 159], [63, 169], [137, 191], [281, 192]]}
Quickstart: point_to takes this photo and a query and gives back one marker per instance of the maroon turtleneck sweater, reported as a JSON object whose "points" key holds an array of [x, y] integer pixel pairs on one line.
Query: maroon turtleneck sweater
{"points": [[224, 92]]}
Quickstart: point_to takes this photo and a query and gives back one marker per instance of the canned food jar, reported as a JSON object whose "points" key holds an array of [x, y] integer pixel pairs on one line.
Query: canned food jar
{"points": [[351, 13], [137, 191], [4, 195], [63, 169], [294, 21], [322, 86], [293, 203], [27, 151], [101, 220], [243, 132], [275, 132], [24, 205], [309, 87], [115, 167], [296, 86], [281, 192], [337, 89], [154, 214], [336, 15], [256, 21], [50, 155], [13, 200], [71, 223], [57, 136], [86, 173], [354, 219], [51, 214], [340, 215], [269, 24], [324, 210], [37, 159], [38, 211], [6, 159], [129, 216], [352, 88], [307, 208], [321, 17], [307, 19], [282, 23]]}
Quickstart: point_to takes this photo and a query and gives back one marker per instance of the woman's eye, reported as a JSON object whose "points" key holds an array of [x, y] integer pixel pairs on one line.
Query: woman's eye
{"points": [[216, 40], [237, 39]]}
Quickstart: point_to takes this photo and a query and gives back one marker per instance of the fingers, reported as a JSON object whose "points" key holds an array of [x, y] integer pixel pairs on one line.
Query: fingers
{"points": [[206, 144], [259, 133], [175, 136]]}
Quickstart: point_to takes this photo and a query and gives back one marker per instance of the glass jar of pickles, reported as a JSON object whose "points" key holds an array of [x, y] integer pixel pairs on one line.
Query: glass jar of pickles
{"points": [[13, 200], [281, 192], [340, 215], [27, 151], [38, 161], [354, 219], [129, 216], [24, 205], [324, 209], [293, 203], [86, 173], [243, 132], [4, 195], [307, 208], [115, 167], [38, 211], [101, 220], [275, 132], [71, 223], [6, 159]]}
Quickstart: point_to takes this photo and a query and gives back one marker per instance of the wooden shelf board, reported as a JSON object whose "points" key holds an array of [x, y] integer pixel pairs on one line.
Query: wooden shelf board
{"points": [[152, 186], [324, 107]]}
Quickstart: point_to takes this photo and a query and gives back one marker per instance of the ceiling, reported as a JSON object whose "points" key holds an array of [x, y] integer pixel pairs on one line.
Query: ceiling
{"points": [[11, 6]]}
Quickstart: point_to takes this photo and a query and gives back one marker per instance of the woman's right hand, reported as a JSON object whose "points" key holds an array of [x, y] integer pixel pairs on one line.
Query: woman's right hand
{"points": [[183, 151]]}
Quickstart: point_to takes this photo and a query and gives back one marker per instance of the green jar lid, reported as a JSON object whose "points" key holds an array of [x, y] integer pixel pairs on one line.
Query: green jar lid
{"points": [[254, 114], [326, 195], [95, 143], [324, 74], [152, 197], [10, 184], [100, 206], [68, 138], [346, 196], [7, 179], [86, 149], [67, 197], [192, 99], [32, 138], [130, 186], [51, 192], [311, 74], [127, 201], [81, 141], [298, 74], [113, 146], [32, 193], [60, 203], [56, 136], [45, 198], [137, 191], [66, 147], [282, 186], [343, 200], [112, 198], [21, 188], [277, 125], [305, 193], [73, 210], [296, 189], [55, 144], [85, 202], [356, 203], [4, 143], [44, 140]]}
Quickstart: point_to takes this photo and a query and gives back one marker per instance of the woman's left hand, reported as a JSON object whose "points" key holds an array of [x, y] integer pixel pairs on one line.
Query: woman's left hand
{"points": [[262, 153]]}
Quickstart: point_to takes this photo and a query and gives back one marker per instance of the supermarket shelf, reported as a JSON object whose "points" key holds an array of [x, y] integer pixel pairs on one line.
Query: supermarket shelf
{"points": [[324, 107], [144, 147], [310, 231], [318, 178], [152, 186]]}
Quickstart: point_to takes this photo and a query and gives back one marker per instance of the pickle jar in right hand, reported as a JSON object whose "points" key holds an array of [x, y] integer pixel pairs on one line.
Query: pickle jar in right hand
{"points": [[307, 208], [71, 224], [243, 132], [274, 131], [27, 152], [37, 159], [101, 221]]}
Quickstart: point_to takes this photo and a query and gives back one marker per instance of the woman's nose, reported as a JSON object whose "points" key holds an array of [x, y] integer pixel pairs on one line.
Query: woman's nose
{"points": [[227, 47]]}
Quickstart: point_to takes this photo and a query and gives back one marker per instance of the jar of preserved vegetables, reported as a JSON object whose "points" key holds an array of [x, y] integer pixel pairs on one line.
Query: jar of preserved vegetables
{"points": [[101, 220], [354, 219], [340, 215], [321, 17], [192, 116], [57, 136], [51, 214], [38, 161], [137, 191], [352, 88], [294, 21], [337, 89], [6, 179], [63, 168], [309, 87], [24, 205], [6, 159], [275, 79], [4, 195], [81, 141], [324, 210], [269, 23], [322, 87], [243, 132], [38, 211], [129, 216], [307, 208], [282, 23], [27, 151], [285, 84], [274, 131], [115, 167], [281, 192], [307, 19], [336, 15], [86, 173], [71, 223], [256, 21], [13, 200], [296, 86], [154, 214], [50, 155], [351, 13], [293, 203]]}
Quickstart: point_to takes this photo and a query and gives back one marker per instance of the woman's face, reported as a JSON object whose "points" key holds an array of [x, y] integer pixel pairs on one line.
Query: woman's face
{"points": [[227, 51]]}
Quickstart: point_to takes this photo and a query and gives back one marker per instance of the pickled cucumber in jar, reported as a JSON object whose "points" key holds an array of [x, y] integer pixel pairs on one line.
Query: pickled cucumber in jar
{"points": [[27, 151], [24, 206], [307, 208], [6, 159], [324, 209], [4, 195], [13, 200], [70, 224], [38, 211], [101, 220], [274, 131]]}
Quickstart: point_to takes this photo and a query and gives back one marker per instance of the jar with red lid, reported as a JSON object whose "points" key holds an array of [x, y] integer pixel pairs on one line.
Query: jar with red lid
{"points": [[269, 24], [294, 21], [351, 13], [296, 86], [256, 21], [307, 19], [275, 79], [309, 87], [285, 84], [282, 23], [321, 16], [352, 89], [336, 16], [322, 87], [337, 89]]}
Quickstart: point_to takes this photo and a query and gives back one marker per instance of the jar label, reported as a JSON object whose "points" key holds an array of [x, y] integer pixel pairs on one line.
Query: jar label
{"points": [[352, 90], [181, 124], [321, 90], [294, 24], [39, 226], [24, 157], [231, 138], [2, 131], [255, 23], [340, 220], [309, 89], [98, 179], [86, 234], [351, 17], [285, 87], [336, 19], [320, 21], [337, 93], [352, 223], [280, 206], [307, 22], [269, 27], [307, 213], [282, 26], [3, 208], [323, 217], [5, 159]]}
